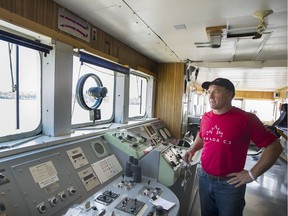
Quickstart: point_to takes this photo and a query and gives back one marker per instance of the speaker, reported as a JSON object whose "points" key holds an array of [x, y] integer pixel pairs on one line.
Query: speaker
{"points": [[99, 149], [276, 94]]}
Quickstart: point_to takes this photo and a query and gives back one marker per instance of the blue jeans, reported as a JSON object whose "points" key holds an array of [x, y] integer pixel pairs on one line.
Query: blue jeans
{"points": [[218, 198]]}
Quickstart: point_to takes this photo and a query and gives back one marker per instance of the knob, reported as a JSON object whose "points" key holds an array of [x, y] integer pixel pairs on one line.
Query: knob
{"points": [[132, 209], [71, 191], [53, 201], [129, 137], [87, 205], [63, 196], [173, 164], [42, 208]]}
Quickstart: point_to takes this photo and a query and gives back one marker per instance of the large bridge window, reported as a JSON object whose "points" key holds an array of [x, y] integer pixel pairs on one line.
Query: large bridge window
{"points": [[264, 109], [20, 89]]}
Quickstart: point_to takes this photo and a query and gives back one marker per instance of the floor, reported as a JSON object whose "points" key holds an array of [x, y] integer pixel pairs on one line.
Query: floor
{"points": [[269, 196], [266, 198]]}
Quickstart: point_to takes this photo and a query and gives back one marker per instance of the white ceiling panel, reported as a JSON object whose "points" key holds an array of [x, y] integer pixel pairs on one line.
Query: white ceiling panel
{"points": [[148, 26]]}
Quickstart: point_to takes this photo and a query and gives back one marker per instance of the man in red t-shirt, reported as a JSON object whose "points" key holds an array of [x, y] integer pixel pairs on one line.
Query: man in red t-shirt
{"points": [[225, 134]]}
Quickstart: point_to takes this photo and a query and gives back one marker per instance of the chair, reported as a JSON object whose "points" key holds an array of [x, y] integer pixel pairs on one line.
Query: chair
{"points": [[282, 120]]}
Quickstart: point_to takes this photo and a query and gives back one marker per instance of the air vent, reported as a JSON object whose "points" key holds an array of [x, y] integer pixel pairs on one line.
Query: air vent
{"points": [[180, 27]]}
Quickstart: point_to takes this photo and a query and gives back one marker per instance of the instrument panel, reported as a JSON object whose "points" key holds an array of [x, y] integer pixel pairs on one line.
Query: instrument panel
{"points": [[48, 180], [85, 174]]}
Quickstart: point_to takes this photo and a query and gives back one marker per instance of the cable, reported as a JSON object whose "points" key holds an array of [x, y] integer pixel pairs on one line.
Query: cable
{"points": [[11, 67]]}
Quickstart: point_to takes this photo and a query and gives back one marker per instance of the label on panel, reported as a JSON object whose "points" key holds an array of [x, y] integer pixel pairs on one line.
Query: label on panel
{"points": [[73, 25], [44, 174], [107, 168]]}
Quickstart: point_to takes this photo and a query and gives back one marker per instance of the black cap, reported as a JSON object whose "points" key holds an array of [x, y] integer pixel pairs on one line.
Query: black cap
{"points": [[220, 82]]}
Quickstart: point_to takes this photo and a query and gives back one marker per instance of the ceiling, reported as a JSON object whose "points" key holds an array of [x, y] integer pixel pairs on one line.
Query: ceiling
{"points": [[167, 30]]}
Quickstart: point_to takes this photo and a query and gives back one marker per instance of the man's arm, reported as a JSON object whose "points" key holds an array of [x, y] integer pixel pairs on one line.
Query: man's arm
{"points": [[268, 158], [196, 146]]}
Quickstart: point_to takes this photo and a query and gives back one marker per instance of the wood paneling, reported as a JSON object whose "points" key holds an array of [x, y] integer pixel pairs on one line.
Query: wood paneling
{"points": [[283, 92], [254, 95], [169, 93], [41, 16]]}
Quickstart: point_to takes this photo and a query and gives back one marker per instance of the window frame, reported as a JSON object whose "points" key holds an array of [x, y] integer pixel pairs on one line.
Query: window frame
{"points": [[38, 129], [97, 122], [146, 77]]}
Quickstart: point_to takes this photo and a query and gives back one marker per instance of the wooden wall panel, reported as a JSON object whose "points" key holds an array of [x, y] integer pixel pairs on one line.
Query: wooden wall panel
{"points": [[283, 92], [254, 95], [169, 93], [103, 42], [41, 16], [127, 54]]}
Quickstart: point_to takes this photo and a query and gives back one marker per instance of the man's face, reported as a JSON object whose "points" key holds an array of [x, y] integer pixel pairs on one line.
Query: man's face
{"points": [[219, 97]]}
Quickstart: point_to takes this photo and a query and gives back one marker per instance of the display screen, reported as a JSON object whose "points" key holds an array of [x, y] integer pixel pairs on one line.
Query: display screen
{"points": [[88, 177], [76, 156]]}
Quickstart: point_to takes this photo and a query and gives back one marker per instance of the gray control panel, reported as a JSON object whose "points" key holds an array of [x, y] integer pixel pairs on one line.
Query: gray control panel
{"points": [[50, 180], [83, 176], [123, 198], [136, 141]]}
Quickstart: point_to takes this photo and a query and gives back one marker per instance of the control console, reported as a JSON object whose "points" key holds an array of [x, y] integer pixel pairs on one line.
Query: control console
{"points": [[145, 198], [82, 177]]}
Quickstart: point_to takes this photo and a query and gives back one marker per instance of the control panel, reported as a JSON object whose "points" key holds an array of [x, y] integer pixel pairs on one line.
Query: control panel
{"points": [[137, 141], [47, 181], [162, 131], [159, 159], [122, 197], [165, 162], [134, 145], [82, 177]]}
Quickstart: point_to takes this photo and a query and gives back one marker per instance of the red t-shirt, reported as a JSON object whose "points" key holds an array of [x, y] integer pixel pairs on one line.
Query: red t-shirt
{"points": [[227, 137]]}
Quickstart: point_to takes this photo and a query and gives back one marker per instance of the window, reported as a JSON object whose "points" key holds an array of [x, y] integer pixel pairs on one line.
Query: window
{"points": [[20, 89], [262, 108], [196, 104], [81, 116], [137, 95], [237, 103]]}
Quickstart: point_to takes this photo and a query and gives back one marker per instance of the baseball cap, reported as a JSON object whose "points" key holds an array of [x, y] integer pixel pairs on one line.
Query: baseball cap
{"points": [[220, 82]]}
